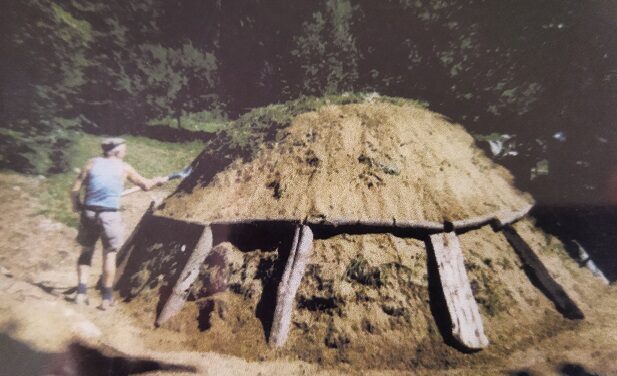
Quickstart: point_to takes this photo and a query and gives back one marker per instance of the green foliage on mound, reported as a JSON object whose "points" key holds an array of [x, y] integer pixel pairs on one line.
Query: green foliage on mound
{"points": [[243, 137], [262, 126]]}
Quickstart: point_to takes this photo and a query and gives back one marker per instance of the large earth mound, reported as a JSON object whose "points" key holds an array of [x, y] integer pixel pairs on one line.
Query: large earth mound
{"points": [[372, 300], [378, 162]]}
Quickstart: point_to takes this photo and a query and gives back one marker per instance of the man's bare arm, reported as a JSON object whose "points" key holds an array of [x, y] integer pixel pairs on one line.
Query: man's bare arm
{"points": [[140, 181], [76, 189]]}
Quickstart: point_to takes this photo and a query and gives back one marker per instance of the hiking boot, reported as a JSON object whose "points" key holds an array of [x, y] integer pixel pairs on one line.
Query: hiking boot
{"points": [[106, 304], [81, 299]]}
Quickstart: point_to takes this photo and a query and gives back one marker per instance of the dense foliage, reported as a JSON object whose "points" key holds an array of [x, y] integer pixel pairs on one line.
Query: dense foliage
{"points": [[527, 68]]}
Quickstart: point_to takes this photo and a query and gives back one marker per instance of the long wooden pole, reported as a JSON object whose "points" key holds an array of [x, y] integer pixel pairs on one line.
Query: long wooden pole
{"points": [[500, 217], [189, 273], [290, 282], [547, 284]]}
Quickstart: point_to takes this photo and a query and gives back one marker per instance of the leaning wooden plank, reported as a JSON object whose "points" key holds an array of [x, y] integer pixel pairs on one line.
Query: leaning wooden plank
{"points": [[189, 273], [290, 282], [124, 252], [290, 260], [467, 325], [547, 284]]}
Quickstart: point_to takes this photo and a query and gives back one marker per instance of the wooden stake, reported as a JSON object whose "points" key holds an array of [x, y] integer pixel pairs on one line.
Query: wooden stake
{"points": [[124, 252], [189, 273], [290, 282], [547, 284], [467, 326]]}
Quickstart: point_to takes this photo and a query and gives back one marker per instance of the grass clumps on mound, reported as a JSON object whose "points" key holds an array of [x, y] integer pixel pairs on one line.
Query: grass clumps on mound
{"points": [[243, 137], [262, 124]]}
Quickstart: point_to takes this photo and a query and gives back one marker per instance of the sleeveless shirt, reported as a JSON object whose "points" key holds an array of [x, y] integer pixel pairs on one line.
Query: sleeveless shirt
{"points": [[105, 183]]}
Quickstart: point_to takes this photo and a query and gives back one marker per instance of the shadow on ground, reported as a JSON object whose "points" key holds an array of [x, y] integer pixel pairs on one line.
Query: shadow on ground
{"points": [[78, 359], [564, 369]]}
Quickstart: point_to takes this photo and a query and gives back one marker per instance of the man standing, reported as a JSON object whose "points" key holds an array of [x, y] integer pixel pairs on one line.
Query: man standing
{"points": [[100, 217]]}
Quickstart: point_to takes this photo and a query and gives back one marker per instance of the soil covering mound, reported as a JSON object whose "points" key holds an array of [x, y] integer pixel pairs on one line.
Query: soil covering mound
{"points": [[378, 162], [369, 300]]}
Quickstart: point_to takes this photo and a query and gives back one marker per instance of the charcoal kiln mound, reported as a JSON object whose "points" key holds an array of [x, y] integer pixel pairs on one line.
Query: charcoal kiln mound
{"points": [[372, 235], [366, 162]]}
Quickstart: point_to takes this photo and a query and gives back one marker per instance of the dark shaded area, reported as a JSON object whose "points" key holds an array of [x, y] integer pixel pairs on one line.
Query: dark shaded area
{"points": [[206, 309], [318, 303], [519, 373], [270, 273], [124, 252], [573, 369], [593, 226], [215, 157], [437, 301], [564, 369], [162, 246], [360, 271], [266, 237], [163, 133], [19, 359], [540, 277]]}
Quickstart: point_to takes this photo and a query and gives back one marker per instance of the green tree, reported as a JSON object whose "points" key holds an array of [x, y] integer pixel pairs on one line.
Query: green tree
{"points": [[43, 70], [325, 52]]}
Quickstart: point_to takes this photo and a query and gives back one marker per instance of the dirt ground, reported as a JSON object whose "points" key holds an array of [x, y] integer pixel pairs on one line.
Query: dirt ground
{"points": [[42, 332]]}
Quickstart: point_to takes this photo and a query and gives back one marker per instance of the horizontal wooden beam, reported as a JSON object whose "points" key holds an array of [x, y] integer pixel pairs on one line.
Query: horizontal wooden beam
{"points": [[501, 218]]}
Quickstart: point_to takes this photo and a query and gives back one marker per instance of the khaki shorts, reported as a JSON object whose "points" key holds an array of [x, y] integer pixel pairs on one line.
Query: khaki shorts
{"points": [[107, 225]]}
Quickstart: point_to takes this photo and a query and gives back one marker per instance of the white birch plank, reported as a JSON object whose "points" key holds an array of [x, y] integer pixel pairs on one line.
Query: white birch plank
{"points": [[467, 327], [290, 282], [189, 273]]}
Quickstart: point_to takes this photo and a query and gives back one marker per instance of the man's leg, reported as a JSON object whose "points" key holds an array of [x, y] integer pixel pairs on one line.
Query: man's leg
{"points": [[83, 273], [109, 273], [87, 236], [113, 236]]}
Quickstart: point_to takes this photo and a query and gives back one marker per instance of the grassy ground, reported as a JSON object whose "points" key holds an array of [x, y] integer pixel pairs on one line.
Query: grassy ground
{"points": [[149, 157]]}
